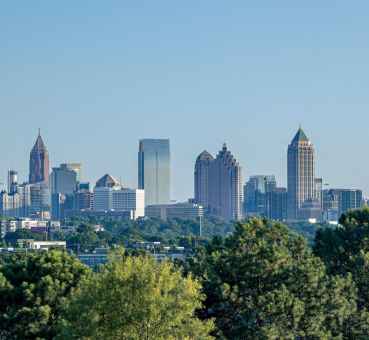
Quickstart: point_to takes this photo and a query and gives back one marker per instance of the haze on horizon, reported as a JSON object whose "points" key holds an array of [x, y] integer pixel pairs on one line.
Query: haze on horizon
{"points": [[98, 78]]}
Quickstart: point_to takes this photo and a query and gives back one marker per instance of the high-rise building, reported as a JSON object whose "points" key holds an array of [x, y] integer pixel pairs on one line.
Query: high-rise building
{"points": [[300, 174], [40, 199], [277, 204], [349, 199], [225, 186], [63, 180], [255, 194], [154, 170], [12, 181], [201, 177], [76, 167], [338, 201], [39, 162]]}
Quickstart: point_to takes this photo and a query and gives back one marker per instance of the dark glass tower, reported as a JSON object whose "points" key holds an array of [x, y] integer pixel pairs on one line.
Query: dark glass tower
{"points": [[39, 162]]}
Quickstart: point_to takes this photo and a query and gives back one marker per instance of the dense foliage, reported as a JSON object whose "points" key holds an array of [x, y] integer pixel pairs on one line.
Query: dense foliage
{"points": [[135, 298], [33, 289], [172, 232], [264, 283], [345, 250]]}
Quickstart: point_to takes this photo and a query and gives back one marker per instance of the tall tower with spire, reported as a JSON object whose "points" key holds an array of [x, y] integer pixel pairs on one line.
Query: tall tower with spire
{"points": [[39, 162], [300, 174]]}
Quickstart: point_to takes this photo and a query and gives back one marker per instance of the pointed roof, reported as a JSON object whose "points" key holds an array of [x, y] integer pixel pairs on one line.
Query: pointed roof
{"points": [[300, 137], [107, 181], [205, 156], [39, 144]]}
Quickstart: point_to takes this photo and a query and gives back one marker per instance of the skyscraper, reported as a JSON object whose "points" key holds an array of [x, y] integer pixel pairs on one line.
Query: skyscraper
{"points": [[154, 170], [63, 180], [300, 174], [202, 167], [39, 162], [255, 194], [225, 186]]}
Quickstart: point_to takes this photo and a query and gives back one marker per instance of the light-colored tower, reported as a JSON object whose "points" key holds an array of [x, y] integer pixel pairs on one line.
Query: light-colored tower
{"points": [[300, 174], [225, 186], [201, 178], [154, 170]]}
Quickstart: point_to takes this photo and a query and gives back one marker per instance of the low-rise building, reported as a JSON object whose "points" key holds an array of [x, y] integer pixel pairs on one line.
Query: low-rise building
{"points": [[184, 211]]}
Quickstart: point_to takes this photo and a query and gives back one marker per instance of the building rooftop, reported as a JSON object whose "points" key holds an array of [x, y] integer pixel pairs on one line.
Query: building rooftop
{"points": [[300, 137], [107, 181]]}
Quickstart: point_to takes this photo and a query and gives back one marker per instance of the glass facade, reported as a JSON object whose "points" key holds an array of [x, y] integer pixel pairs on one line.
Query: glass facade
{"points": [[154, 170]]}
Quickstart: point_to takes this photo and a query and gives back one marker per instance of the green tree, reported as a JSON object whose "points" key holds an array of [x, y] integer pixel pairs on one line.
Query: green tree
{"points": [[33, 289], [135, 298], [345, 250], [264, 283]]}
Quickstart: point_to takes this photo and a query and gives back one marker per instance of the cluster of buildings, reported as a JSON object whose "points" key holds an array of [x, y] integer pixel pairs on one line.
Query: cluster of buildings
{"points": [[219, 189]]}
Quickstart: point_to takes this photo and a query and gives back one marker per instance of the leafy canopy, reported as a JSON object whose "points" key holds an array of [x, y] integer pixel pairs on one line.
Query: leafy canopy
{"points": [[263, 282], [135, 298], [33, 289]]}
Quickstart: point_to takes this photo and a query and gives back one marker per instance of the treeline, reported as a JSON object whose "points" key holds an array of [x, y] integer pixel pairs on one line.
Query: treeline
{"points": [[185, 233], [261, 282]]}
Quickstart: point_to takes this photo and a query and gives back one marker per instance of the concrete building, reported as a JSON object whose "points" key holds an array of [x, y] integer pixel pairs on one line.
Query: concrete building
{"points": [[225, 186], [40, 199], [39, 162], [63, 180], [109, 195], [184, 211], [10, 205], [76, 167], [154, 170], [300, 174], [129, 200], [12, 181], [201, 176]]}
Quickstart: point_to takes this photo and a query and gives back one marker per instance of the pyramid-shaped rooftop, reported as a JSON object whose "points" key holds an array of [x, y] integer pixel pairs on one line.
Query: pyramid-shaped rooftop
{"points": [[300, 137]]}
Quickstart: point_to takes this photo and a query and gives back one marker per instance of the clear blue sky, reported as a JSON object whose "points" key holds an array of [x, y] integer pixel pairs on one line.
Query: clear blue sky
{"points": [[96, 76]]}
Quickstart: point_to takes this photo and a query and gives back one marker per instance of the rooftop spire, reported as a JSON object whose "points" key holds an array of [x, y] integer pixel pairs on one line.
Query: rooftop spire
{"points": [[300, 136]]}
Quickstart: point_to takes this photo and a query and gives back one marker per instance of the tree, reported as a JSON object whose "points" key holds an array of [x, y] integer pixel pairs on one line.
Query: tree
{"points": [[345, 250], [33, 289], [135, 298], [263, 283]]}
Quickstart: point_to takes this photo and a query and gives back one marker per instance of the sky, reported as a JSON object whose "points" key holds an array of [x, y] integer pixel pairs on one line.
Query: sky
{"points": [[96, 76]]}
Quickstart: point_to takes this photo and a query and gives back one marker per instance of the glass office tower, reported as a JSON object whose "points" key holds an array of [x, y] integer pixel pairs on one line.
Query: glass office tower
{"points": [[154, 170]]}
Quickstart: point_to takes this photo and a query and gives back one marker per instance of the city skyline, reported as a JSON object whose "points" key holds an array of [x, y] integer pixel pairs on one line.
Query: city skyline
{"points": [[281, 179]]}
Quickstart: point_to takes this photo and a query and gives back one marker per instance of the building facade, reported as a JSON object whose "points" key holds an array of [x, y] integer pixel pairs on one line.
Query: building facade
{"points": [[201, 178], [300, 174], [154, 170], [183, 211], [39, 162], [225, 186], [63, 180], [256, 195]]}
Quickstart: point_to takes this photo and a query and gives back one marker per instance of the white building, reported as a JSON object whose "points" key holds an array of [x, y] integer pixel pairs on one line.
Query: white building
{"points": [[129, 200], [184, 211], [120, 199]]}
